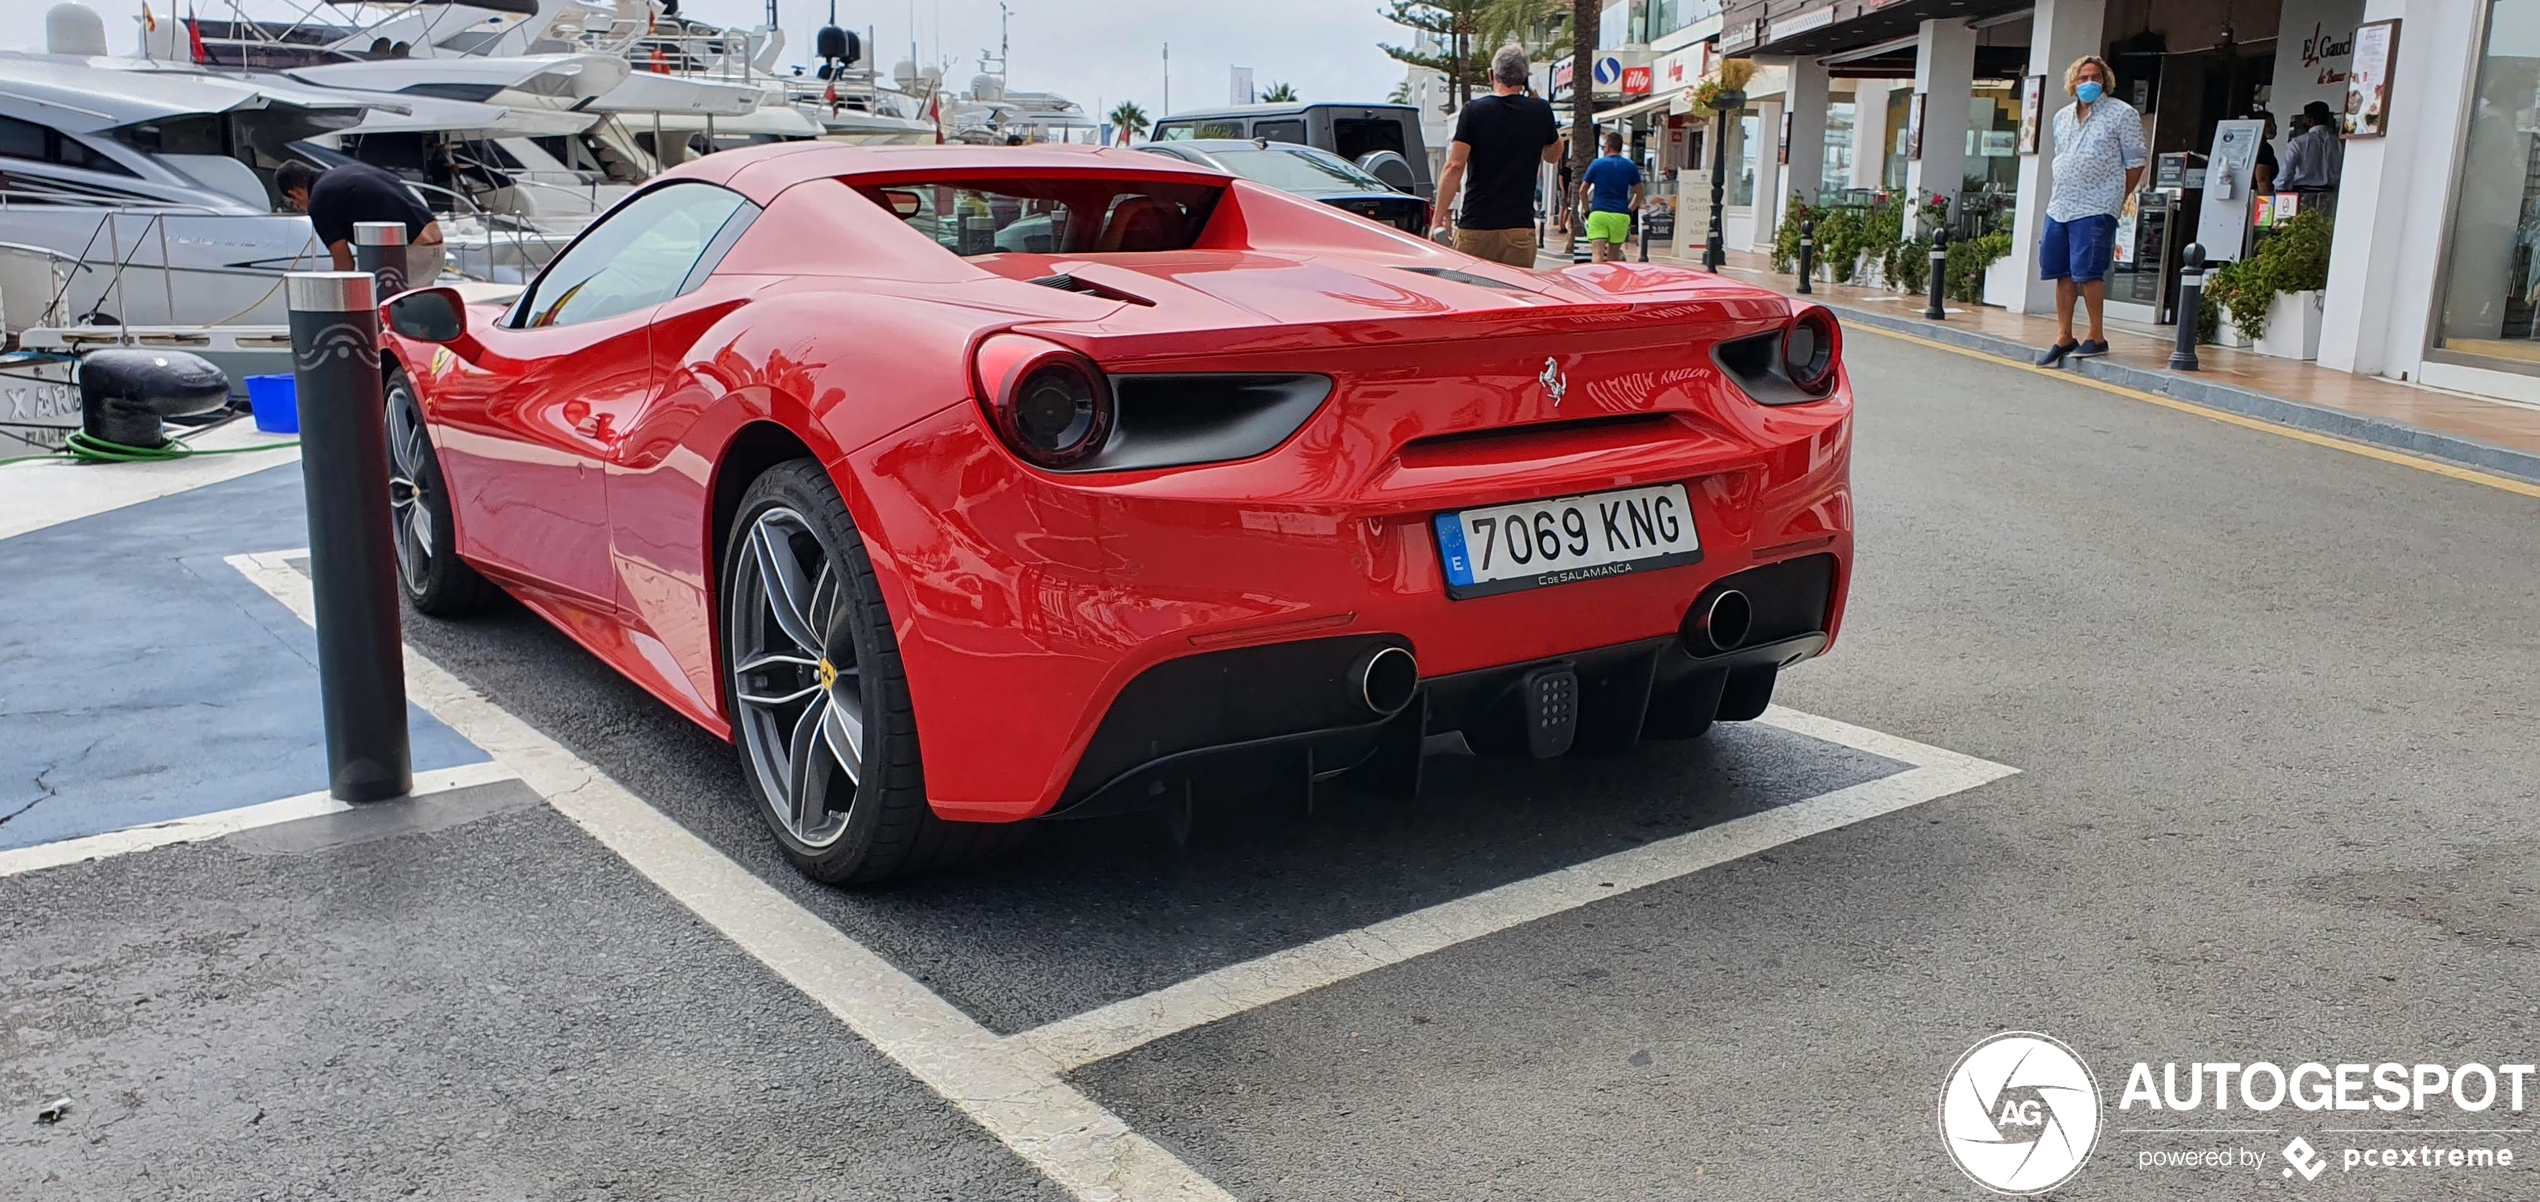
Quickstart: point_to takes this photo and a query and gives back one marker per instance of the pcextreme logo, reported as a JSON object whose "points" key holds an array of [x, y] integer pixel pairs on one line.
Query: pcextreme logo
{"points": [[2020, 1113]]}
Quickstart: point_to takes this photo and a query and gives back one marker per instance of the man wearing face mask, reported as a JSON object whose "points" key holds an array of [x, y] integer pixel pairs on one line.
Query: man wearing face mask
{"points": [[2099, 159]]}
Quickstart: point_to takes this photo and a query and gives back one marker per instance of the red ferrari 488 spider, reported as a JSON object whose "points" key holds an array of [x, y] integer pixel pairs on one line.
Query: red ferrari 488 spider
{"points": [[965, 486]]}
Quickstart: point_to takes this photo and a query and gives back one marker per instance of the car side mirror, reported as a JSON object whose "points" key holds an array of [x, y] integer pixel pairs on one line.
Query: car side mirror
{"points": [[904, 204], [429, 315]]}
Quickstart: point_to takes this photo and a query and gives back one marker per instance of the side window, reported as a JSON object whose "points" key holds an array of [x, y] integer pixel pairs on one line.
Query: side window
{"points": [[1280, 131], [637, 256], [27, 140]]}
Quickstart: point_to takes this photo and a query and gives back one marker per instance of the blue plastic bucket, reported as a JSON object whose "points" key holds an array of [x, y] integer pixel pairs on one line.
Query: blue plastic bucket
{"points": [[275, 401]]}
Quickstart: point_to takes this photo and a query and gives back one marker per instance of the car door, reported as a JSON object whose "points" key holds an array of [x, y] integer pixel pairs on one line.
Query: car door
{"points": [[526, 441], [662, 553]]}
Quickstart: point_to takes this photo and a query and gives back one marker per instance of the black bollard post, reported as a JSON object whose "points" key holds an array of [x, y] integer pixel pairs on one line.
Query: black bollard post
{"points": [[1807, 256], [1939, 272], [344, 472], [379, 249], [1641, 219], [2191, 299]]}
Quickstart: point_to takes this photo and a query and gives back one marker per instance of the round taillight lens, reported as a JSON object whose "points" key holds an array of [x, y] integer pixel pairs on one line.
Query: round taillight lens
{"points": [[1050, 405], [1810, 349]]}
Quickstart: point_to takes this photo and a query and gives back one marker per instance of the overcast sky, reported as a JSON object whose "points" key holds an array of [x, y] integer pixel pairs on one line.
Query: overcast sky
{"points": [[1096, 52]]}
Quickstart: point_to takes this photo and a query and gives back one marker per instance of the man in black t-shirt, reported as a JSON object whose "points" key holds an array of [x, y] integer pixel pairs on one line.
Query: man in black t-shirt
{"points": [[339, 196], [1501, 140]]}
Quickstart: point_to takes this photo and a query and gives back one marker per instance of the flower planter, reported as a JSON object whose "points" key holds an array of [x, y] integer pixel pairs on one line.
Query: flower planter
{"points": [[2225, 333], [2293, 326]]}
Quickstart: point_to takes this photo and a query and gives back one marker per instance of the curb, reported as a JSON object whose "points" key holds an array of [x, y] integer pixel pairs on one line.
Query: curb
{"points": [[2301, 415]]}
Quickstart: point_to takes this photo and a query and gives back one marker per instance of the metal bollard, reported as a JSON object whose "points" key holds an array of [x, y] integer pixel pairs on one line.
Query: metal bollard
{"points": [[352, 572], [1939, 272], [1641, 219], [2191, 299], [379, 249], [1807, 256]]}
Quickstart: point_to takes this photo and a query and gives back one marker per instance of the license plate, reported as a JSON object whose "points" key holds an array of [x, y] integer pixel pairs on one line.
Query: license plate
{"points": [[1534, 543]]}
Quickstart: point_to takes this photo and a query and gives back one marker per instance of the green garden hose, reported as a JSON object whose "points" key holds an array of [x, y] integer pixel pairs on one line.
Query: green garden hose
{"points": [[85, 449]]}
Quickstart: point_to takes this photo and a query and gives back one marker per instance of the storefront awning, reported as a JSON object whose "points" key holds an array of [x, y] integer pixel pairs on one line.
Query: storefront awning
{"points": [[1647, 104]]}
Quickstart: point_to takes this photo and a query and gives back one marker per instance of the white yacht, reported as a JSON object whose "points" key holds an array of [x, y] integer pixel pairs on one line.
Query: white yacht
{"points": [[118, 174]]}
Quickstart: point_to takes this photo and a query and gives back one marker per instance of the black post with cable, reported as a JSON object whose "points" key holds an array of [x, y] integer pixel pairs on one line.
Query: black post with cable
{"points": [[1807, 256], [352, 573], [379, 250], [1939, 271], [1715, 250], [2191, 302]]}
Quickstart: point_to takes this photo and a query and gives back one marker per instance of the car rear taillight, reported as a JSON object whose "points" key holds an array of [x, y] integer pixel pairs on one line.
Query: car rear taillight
{"points": [[1048, 404], [1810, 349]]}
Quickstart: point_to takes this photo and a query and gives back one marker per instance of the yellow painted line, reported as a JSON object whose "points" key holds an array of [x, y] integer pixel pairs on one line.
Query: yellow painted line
{"points": [[2368, 451]]}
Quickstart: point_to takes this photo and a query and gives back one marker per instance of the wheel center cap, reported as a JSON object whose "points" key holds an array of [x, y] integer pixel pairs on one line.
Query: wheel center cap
{"points": [[828, 673]]}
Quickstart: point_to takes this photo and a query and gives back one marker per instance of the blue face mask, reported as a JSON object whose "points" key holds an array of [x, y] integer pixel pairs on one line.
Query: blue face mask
{"points": [[2088, 92]]}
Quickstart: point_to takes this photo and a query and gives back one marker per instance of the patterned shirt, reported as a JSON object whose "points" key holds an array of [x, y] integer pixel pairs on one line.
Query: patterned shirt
{"points": [[2092, 157]]}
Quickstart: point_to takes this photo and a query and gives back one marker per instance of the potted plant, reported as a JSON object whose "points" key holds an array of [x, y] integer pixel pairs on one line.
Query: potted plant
{"points": [[2272, 298]]}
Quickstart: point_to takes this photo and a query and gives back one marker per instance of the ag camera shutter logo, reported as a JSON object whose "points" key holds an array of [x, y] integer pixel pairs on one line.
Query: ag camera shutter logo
{"points": [[2019, 1113]]}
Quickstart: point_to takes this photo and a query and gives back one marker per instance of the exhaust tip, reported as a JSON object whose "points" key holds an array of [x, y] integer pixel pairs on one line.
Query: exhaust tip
{"points": [[1725, 623], [1385, 679]]}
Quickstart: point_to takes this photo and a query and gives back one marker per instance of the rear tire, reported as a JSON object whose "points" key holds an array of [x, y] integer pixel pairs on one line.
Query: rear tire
{"points": [[820, 707], [429, 571]]}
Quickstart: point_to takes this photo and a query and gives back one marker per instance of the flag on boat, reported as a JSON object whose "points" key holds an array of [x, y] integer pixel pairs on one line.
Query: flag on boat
{"points": [[149, 21], [194, 37]]}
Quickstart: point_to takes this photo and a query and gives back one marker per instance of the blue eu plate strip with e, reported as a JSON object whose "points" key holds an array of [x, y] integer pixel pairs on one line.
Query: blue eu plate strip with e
{"points": [[1459, 566]]}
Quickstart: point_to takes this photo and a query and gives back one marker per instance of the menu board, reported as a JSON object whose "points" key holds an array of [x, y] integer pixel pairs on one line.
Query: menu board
{"points": [[2368, 83]]}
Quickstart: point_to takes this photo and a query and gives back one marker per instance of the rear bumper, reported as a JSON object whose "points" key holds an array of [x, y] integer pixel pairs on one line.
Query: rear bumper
{"points": [[1288, 715], [1029, 608]]}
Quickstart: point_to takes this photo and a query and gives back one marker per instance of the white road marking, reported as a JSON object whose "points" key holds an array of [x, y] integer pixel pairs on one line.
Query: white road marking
{"points": [[224, 822], [1110, 1030], [1016, 1094], [1013, 1086], [50, 492]]}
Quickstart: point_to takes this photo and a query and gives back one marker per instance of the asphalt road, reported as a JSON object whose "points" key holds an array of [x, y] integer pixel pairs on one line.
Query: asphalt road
{"points": [[2273, 707]]}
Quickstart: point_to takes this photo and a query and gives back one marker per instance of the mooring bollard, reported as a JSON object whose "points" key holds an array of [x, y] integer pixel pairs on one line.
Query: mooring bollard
{"points": [[352, 572], [1939, 272], [1807, 256], [2191, 299], [379, 249]]}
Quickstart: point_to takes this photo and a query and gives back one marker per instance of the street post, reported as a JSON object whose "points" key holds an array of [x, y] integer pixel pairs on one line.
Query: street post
{"points": [[352, 572], [2191, 299], [379, 250]]}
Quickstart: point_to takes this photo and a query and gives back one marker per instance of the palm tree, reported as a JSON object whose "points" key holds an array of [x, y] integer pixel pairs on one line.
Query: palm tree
{"points": [[1538, 25], [1131, 119], [1279, 93]]}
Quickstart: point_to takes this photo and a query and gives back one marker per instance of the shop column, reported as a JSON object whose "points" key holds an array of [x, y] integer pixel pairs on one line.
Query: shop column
{"points": [[1870, 135], [2059, 32], [2395, 199], [1944, 82], [1806, 97], [1768, 171]]}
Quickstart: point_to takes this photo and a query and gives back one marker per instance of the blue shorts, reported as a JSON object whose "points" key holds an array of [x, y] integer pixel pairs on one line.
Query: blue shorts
{"points": [[2078, 249]]}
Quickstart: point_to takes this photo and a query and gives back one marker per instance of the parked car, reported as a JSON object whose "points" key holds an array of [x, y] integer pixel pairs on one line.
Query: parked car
{"points": [[1308, 172], [1382, 139], [1222, 490]]}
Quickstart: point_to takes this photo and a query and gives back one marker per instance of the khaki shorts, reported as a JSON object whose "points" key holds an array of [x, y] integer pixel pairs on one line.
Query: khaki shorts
{"points": [[424, 263], [1514, 247]]}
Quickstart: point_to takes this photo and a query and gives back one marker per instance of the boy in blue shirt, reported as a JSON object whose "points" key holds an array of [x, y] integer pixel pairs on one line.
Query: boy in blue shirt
{"points": [[1613, 185]]}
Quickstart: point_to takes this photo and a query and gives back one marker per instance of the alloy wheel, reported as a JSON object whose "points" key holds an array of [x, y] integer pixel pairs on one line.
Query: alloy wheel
{"points": [[410, 512], [800, 694]]}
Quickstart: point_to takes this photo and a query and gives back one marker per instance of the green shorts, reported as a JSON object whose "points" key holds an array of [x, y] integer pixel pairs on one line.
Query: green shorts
{"points": [[1609, 227]]}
